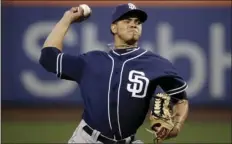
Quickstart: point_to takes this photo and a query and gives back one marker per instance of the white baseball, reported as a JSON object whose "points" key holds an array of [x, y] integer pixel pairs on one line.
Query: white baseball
{"points": [[86, 9]]}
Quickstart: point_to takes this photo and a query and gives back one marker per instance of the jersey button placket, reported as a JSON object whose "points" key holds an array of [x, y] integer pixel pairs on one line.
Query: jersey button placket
{"points": [[115, 87], [113, 100]]}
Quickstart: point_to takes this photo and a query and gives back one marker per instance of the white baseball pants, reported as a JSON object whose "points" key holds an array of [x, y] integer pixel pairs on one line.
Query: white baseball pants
{"points": [[80, 136]]}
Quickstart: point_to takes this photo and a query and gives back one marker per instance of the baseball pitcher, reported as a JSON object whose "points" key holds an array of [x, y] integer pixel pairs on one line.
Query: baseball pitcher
{"points": [[118, 85]]}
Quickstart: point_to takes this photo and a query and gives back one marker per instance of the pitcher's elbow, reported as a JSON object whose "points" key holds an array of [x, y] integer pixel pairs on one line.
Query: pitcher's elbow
{"points": [[48, 59]]}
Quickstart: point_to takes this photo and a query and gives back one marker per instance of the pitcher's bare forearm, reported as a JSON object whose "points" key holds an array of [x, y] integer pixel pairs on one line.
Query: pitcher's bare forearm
{"points": [[180, 110], [56, 37], [52, 58]]}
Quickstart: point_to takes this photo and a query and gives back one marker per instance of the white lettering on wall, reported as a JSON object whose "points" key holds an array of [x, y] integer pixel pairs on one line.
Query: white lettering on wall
{"points": [[220, 60], [90, 38], [173, 50], [30, 80]]}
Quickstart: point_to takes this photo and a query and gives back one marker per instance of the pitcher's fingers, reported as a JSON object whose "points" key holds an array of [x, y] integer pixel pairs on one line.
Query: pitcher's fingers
{"points": [[81, 10], [74, 9]]}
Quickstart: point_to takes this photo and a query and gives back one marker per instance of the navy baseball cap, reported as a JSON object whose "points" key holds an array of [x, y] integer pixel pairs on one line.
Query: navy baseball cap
{"points": [[127, 10]]}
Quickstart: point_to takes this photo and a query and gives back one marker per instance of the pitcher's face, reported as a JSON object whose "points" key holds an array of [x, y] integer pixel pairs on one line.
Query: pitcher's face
{"points": [[128, 29]]}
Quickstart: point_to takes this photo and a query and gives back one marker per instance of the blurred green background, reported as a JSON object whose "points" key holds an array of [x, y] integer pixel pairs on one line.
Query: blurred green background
{"points": [[59, 132], [53, 125]]}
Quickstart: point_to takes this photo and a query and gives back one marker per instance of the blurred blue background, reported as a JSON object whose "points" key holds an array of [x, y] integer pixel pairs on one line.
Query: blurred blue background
{"points": [[196, 40]]}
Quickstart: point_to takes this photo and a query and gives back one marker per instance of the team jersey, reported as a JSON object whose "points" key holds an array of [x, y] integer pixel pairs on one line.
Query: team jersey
{"points": [[116, 87]]}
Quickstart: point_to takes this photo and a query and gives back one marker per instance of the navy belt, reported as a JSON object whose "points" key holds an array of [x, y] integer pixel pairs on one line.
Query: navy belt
{"points": [[105, 140]]}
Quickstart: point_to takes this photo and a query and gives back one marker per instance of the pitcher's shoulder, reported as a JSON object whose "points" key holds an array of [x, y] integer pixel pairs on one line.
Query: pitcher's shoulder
{"points": [[156, 57], [96, 53]]}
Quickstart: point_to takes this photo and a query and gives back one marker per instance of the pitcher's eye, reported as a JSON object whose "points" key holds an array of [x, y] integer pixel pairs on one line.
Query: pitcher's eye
{"points": [[138, 22], [126, 21]]}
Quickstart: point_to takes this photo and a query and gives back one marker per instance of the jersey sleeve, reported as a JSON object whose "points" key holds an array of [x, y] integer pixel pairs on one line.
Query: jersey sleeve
{"points": [[170, 80], [172, 85], [65, 66]]}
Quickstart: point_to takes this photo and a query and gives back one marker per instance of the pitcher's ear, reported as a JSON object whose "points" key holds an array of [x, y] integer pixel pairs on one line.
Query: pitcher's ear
{"points": [[113, 29]]}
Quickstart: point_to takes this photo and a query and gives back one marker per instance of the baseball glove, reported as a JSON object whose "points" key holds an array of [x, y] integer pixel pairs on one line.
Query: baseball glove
{"points": [[160, 117]]}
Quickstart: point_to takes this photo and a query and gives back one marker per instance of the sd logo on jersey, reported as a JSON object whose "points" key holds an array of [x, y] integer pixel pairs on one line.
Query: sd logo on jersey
{"points": [[138, 84]]}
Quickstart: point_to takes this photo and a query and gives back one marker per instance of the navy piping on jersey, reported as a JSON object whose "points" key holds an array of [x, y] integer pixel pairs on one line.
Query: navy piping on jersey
{"points": [[118, 96]]}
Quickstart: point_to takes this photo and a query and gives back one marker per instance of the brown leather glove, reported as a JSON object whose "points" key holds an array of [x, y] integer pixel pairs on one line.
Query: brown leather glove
{"points": [[160, 117]]}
